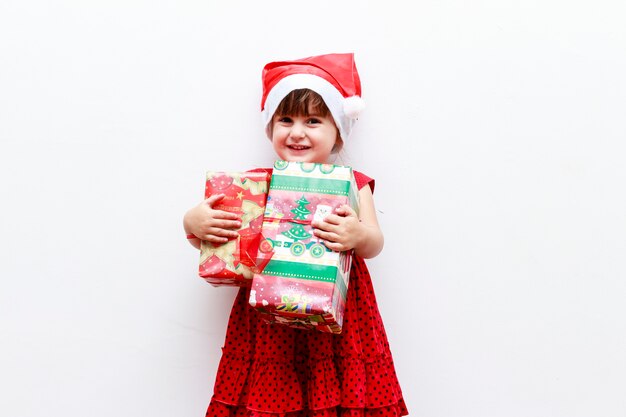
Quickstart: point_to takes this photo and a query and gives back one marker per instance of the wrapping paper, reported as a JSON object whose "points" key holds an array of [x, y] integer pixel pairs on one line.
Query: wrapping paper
{"points": [[304, 283], [234, 263]]}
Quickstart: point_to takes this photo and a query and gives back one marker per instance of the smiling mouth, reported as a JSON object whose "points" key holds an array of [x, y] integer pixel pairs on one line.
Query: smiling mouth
{"points": [[298, 147]]}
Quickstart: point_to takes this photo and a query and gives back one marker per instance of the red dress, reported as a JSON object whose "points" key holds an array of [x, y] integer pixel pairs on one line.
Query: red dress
{"points": [[272, 370]]}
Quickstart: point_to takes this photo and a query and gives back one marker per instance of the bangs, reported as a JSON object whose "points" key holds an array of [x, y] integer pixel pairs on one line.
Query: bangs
{"points": [[302, 102]]}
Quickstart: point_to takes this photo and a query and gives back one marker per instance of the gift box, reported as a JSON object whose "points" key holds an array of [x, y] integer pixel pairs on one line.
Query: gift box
{"points": [[234, 263], [304, 283]]}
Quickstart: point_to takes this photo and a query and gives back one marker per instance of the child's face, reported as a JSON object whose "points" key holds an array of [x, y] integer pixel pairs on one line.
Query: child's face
{"points": [[304, 138]]}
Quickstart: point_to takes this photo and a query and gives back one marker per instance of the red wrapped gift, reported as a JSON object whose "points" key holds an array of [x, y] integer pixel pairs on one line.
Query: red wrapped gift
{"points": [[234, 263], [306, 304]]}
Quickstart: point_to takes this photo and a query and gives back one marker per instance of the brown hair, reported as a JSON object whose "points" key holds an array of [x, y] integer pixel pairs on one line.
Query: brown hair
{"points": [[303, 102]]}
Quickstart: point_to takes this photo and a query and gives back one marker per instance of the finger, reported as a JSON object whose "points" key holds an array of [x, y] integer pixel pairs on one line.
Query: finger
{"points": [[328, 236], [214, 199], [218, 231], [345, 211], [333, 219], [226, 224], [215, 239], [323, 225], [222, 214], [337, 247]]}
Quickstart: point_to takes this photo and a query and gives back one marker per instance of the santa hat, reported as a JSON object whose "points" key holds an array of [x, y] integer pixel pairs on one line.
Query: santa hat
{"points": [[332, 76]]}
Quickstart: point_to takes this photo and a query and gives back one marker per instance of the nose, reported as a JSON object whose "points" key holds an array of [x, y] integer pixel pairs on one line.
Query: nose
{"points": [[298, 131]]}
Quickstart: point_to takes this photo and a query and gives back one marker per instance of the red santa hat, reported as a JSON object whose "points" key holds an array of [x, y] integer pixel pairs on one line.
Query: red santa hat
{"points": [[332, 76]]}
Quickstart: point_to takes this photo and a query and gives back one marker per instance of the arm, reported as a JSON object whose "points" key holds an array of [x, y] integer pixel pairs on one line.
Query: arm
{"points": [[206, 223], [344, 230]]}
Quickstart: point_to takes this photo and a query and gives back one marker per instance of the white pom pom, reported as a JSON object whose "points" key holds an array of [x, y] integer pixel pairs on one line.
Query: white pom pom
{"points": [[352, 106]]}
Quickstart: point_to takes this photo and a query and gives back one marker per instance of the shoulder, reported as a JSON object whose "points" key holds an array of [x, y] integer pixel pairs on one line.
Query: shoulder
{"points": [[362, 180]]}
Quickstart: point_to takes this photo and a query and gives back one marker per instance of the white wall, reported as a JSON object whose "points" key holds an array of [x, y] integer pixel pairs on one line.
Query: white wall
{"points": [[495, 130]]}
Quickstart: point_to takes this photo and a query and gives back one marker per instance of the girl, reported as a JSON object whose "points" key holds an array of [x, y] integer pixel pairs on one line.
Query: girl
{"points": [[309, 107]]}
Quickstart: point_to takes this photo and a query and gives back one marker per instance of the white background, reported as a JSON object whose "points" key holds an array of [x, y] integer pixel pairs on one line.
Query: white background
{"points": [[495, 130]]}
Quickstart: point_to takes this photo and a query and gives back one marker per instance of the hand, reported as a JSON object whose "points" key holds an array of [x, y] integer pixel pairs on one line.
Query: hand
{"points": [[341, 231], [209, 224]]}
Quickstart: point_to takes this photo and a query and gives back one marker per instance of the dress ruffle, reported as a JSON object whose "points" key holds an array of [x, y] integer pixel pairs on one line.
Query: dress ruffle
{"points": [[220, 409], [319, 384]]}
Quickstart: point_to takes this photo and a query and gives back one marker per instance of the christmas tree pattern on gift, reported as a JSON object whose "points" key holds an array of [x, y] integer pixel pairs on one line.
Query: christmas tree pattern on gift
{"points": [[298, 232]]}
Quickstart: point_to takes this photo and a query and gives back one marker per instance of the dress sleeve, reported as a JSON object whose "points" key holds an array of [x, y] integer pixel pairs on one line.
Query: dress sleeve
{"points": [[266, 170], [362, 180]]}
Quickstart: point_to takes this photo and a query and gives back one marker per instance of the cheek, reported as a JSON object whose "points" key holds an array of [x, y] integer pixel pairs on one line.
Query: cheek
{"points": [[275, 145], [278, 145], [278, 134]]}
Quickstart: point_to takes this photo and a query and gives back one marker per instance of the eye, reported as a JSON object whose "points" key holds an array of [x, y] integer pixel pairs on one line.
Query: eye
{"points": [[313, 120], [285, 119]]}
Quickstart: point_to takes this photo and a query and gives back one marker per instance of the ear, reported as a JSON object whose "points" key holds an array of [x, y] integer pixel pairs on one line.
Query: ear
{"points": [[338, 146]]}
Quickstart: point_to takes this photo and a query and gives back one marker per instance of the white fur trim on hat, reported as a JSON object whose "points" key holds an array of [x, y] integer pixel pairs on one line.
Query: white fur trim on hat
{"points": [[343, 110]]}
